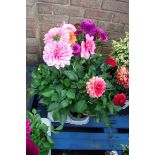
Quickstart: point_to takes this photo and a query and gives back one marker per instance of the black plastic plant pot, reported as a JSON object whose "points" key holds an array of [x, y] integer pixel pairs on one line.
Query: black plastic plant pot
{"points": [[41, 109]]}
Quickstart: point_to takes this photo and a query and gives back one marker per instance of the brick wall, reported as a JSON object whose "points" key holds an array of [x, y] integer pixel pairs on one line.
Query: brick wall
{"points": [[112, 15]]}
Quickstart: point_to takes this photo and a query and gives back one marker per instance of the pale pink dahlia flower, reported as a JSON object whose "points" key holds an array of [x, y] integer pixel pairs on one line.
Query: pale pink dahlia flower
{"points": [[57, 54], [95, 87], [69, 27], [56, 34], [87, 47]]}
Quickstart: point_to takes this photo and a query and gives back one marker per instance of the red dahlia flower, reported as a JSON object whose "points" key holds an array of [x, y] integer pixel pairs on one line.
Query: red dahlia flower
{"points": [[111, 61], [119, 99], [123, 76]]}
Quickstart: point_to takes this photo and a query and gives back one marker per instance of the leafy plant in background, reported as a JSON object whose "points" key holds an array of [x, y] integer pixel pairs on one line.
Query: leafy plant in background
{"points": [[38, 142], [125, 149], [120, 51], [75, 79]]}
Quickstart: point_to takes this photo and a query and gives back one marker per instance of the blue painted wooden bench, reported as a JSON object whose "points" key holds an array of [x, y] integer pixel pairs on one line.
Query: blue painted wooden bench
{"points": [[92, 136]]}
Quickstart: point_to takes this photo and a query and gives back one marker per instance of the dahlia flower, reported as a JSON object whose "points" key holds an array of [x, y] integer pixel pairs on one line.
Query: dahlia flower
{"points": [[111, 61], [95, 87], [76, 49], [88, 26], [72, 37], [119, 99], [57, 54], [69, 27], [78, 32], [102, 34], [56, 34], [87, 47], [28, 128], [123, 76], [31, 148]]}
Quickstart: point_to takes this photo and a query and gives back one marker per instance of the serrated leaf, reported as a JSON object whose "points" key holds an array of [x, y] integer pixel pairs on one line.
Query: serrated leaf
{"points": [[63, 93], [55, 96], [71, 93], [48, 92], [80, 106], [71, 75], [53, 106], [64, 103]]}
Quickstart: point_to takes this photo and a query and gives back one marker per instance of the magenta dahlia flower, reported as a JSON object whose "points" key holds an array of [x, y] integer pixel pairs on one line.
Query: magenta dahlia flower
{"points": [[88, 47], [102, 34], [88, 26], [31, 148], [56, 34], [57, 54], [28, 127], [76, 49], [95, 87]]}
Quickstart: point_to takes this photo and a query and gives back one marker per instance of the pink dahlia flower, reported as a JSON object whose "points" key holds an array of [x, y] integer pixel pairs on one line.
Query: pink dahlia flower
{"points": [[123, 76], [56, 34], [87, 47], [95, 87], [57, 54], [69, 27]]}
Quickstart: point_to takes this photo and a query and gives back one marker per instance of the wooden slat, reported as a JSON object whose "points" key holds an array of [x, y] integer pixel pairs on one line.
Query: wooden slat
{"points": [[89, 141], [117, 121]]}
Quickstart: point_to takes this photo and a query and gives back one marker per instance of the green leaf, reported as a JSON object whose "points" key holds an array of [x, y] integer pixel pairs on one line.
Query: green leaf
{"points": [[71, 75], [67, 82], [59, 88], [80, 106], [55, 96], [48, 92], [71, 93], [45, 101], [63, 93], [98, 107], [34, 111], [60, 127], [65, 103], [50, 140], [55, 115], [53, 106], [108, 84], [110, 107]]}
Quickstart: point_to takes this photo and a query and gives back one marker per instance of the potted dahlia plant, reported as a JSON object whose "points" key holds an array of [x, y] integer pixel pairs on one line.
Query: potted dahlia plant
{"points": [[75, 81]]}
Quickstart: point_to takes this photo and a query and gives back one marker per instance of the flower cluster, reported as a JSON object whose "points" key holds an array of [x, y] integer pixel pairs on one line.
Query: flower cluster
{"points": [[61, 43], [57, 51], [31, 148], [123, 76]]}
